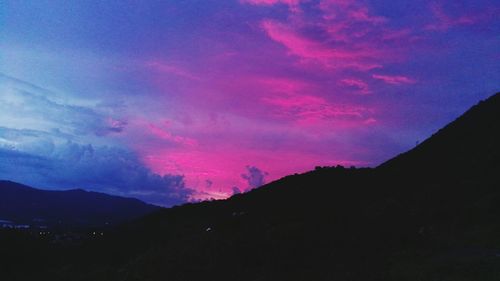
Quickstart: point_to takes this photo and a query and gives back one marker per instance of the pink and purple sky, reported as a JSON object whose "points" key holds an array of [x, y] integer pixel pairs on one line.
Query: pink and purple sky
{"points": [[172, 101]]}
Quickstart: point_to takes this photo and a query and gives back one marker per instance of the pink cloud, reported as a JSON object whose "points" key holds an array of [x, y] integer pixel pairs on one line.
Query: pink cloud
{"points": [[271, 2], [359, 85], [370, 121], [281, 85], [223, 164], [362, 14], [308, 110], [327, 5], [221, 146], [345, 35], [170, 69], [311, 50], [446, 21], [348, 10], [285, 108], [394, 80], [115, 125], [298, 44], [165, 135], [401, 36], [292, 4]]}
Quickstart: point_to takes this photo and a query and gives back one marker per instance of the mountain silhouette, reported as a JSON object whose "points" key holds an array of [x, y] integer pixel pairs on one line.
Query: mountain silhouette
{"points": [[427, 214], [469, 146], [22, 204]]}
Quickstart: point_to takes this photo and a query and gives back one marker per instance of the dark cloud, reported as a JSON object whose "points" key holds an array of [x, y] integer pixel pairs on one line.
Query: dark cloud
{"points": [[105, 169], [208, 183], [236, 190], [254, 176], [116, 126]]}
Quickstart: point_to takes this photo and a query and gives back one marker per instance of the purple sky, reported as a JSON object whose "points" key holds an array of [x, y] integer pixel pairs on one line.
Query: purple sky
{"points": [[171, 101]]}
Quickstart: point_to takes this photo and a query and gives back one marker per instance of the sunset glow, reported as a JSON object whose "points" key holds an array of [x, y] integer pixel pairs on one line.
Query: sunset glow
{"points": [[172, 101]]}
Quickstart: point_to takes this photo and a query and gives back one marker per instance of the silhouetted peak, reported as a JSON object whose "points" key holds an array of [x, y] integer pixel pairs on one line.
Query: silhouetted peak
{"points": [[469, 145]]}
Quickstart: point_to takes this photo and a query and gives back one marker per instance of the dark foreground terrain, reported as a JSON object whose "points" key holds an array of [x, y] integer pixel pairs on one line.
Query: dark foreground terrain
{"points": [[431, 214]]}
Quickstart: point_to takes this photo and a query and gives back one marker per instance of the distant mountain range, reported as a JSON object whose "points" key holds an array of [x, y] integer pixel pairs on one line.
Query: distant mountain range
{"points": [[21, 204], [428, 214]]}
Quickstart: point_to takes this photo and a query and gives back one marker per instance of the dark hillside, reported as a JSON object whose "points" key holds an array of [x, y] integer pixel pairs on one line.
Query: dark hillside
{"points": [[465, 148]]}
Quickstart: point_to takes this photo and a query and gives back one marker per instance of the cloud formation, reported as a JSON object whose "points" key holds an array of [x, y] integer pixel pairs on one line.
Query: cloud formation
{"points": [[48, 143], [254, 177], [466, 17], [42, 163], [318, 51], [30, 107], [394, 80], [185, 96]]}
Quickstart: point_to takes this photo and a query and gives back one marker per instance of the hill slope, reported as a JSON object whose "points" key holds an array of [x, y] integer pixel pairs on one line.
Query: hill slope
{"points": [[469, 146], [73, 208]]}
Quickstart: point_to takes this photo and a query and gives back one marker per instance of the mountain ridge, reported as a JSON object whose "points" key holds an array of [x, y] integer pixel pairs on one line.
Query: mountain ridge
{"points": [[458, 149], [69, 208]]}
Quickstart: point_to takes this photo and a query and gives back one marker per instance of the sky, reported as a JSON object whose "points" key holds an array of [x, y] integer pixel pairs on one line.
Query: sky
{"points": [[176, 101]]}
